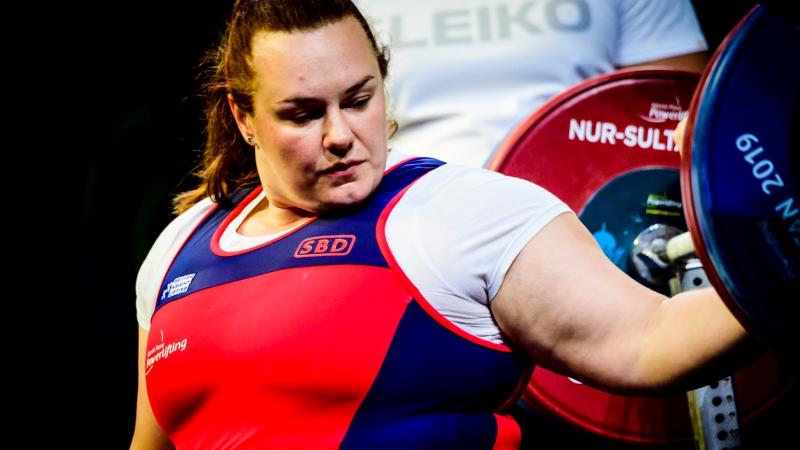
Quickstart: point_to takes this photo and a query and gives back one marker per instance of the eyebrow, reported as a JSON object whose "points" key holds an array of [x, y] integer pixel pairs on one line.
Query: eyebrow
{"points": [[306, 100]]}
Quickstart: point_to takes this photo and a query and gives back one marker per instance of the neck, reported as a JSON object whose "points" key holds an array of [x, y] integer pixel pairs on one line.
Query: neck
{"points": [[268, 218]]}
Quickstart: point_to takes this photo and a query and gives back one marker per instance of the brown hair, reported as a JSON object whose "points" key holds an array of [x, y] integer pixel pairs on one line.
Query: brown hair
{"points": [[227, 160]]}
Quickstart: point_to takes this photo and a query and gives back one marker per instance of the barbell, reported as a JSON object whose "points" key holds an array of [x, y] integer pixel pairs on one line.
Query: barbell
{"points": [[607, 148]]}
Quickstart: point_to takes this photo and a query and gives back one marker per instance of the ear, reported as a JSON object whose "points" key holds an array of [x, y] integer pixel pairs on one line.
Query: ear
{"points": [[243, 120]]}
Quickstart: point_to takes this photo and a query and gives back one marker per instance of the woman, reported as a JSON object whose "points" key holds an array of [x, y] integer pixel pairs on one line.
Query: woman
{"points": [[319, 291]]}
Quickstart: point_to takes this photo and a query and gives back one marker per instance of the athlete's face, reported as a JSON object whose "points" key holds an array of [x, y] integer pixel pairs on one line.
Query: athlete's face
{"points": [[319, 119]]}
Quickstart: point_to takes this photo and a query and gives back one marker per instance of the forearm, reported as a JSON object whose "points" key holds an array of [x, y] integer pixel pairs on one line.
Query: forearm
{"points": [[692, 339], [692, 62]]}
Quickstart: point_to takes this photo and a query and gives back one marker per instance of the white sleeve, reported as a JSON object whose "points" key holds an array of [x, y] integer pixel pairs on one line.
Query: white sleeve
{"points": [[456, 232], [158, 259], [654, 29]]}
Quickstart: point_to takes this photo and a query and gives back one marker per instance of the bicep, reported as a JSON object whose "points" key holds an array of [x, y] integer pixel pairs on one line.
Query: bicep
{"points": [[147, 433], [571, 310]]}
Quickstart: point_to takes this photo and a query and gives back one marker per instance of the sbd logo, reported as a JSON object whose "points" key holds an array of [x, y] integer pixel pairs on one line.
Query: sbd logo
{"points": [[337, 245]]}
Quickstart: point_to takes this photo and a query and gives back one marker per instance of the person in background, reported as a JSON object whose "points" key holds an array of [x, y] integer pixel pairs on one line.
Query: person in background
{"points": [[466, 72]]}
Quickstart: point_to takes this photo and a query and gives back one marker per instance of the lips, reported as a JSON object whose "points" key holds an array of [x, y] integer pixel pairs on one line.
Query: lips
{"points": [[341, 168]]}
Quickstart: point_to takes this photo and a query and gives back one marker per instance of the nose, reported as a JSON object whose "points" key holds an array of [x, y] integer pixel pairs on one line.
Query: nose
{"points": [[337, 136]]}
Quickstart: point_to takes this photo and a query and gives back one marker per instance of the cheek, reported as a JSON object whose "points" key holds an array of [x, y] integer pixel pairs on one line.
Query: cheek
{"points": [[374, 126], [291, 148]]}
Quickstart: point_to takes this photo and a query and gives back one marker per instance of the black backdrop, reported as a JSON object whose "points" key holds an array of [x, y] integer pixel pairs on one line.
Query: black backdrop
{"points": [[133, 136]]}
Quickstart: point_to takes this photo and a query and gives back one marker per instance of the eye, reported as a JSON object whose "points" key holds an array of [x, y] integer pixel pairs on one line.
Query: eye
{"points": [[301, 116], [358, 102]]}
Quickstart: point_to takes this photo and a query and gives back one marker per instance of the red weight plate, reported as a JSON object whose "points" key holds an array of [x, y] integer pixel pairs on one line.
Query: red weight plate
{"points": [[614, 127], [601, 128]]}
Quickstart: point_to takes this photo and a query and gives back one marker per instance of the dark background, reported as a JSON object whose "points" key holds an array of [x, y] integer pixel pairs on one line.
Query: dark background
{"points": [[133, 124]]}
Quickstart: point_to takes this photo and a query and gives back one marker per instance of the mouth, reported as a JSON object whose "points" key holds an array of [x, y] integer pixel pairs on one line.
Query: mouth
{"points": [[342, 169]]}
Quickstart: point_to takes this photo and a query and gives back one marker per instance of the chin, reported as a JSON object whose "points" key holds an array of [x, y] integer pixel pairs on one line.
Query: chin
{"points": [[347, 196]]}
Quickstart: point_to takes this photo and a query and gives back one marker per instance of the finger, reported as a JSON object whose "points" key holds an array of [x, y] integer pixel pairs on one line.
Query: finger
{"points": [[679, 132]]}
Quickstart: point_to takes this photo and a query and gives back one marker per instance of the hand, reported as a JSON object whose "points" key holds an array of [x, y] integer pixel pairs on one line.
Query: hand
{"points": [[678, 136]]}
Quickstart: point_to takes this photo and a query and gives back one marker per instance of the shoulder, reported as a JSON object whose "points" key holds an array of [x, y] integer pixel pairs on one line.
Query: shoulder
{"points": [[464, 186], [160, 256], [461, 220], [179, 228]]}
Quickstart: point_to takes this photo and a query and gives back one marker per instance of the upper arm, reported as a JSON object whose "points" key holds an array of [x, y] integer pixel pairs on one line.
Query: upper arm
{"points": [[147, 433], [565, 304], [692, 62]]}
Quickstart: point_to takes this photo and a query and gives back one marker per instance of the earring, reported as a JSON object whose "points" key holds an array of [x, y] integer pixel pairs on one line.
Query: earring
{"points": [[251, 140]]}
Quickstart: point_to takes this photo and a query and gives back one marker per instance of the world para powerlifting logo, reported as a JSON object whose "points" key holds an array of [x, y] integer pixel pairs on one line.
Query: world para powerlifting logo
{"points": [[162, 351]]}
